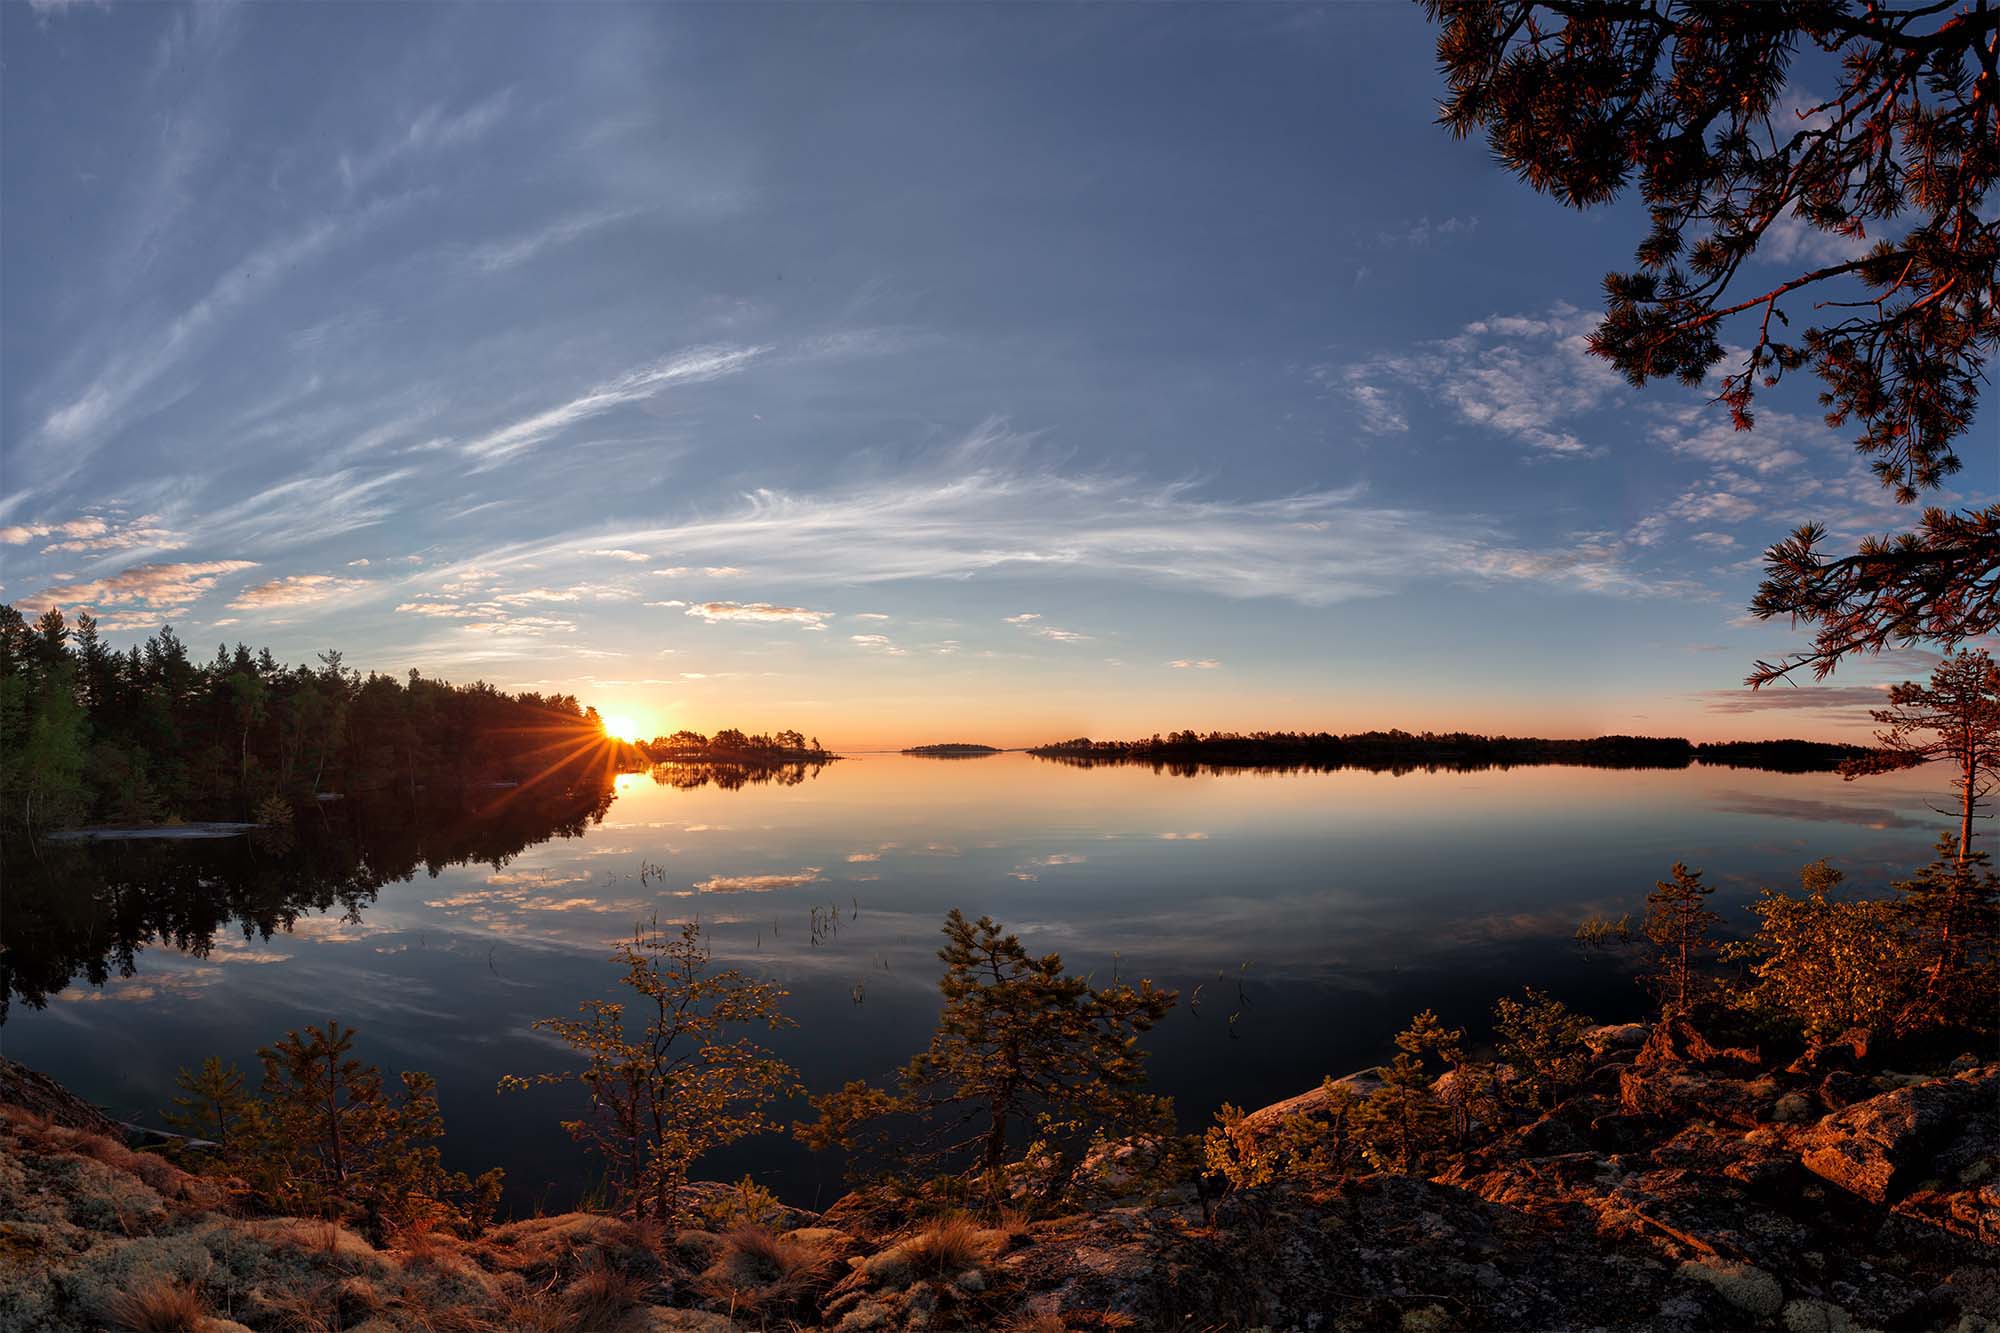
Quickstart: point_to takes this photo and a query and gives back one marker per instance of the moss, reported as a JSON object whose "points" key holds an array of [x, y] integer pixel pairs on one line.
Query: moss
{"points": [[1806, 1316], [1748, 1288]]}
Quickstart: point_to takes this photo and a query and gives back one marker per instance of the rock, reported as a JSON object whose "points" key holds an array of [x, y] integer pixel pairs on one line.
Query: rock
{"points": [[1815, 1317], [1792, 1108], [1843, 1088], [1362, 1083], [1612, 1037], [1750, 1289], [1669, 1092], [1875, 1148], [43, 1096], [1676, 1041]]}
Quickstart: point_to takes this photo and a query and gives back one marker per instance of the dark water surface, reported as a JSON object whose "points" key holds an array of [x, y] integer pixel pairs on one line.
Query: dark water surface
{"points": [[1320, 909]]}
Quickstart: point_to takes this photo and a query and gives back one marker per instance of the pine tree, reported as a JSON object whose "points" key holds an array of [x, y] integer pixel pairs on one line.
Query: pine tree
{"points": [[1542, 1041], [684, 1086], [1021, 1046], [1678, 923], [214, 1108]]}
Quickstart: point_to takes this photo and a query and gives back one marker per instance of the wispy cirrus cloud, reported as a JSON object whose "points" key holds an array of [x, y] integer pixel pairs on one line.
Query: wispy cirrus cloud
{"points": [[434, 129], [690, 367], [975, 512], [1194, 664], [120, 386], [498, 256]]}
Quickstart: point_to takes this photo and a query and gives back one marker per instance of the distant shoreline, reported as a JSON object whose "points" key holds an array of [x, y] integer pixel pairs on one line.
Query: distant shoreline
{"points": [[1403, 751], [952, 750]]}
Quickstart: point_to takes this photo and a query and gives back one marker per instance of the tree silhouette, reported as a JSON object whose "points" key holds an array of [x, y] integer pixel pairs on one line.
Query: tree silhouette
{"points": [[683, 1085], [1678, 922], [1690, 102], [1021, 1044], [1956, 717]]}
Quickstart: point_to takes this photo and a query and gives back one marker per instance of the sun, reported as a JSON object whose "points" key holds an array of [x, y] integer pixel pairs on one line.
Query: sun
{"points": [[621, 726]]}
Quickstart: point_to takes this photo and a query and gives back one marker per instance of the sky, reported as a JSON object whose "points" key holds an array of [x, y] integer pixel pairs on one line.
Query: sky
{"points": [[899, 374]]}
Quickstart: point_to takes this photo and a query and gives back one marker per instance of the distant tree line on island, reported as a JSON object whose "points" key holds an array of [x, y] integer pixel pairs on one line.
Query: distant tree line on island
{"points": [[1404, 751], [952, 750], [731, 744], [91, 733]]}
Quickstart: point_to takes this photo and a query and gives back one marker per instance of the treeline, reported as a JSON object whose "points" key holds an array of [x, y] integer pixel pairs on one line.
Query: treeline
{"points": [[1404, 751], [90, 733], [952, 750], [732, 744]]}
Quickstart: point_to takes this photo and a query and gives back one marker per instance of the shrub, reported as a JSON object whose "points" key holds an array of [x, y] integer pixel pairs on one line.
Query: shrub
{"points": [[1825, 964], [1543, 1041]]}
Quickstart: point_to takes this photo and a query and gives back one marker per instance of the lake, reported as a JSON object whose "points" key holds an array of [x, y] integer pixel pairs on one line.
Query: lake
{"points": [[1314, 911]]}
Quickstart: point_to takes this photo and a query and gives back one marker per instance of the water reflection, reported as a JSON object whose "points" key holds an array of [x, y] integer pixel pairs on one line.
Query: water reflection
{"points": [[1340, 902], [86, 910]]}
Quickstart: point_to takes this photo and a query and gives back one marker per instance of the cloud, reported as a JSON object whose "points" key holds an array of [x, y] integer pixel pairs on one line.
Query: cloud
{"points": [[1522, 376], [20, 534], [1777, 698], [309, 508], [619, 553], [1024, 617], [1423, 233], [432, 130], [690, 367], [153, 586], [1194, 664], [70, 429], [757, 612], [1592, 563], [757, 883], [501, 255], [1379, 410], [983, 509], [1059, 635], [881, 643], [447, 610], [1183, 837], [293, 590], [93, 534]]}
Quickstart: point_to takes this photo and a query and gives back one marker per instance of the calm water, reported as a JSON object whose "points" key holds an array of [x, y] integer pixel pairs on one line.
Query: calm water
{"points": [[1330, 905]]}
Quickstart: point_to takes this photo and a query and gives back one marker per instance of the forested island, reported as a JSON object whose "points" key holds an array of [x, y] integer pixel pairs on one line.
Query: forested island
{"points": [[733, 746], [1189, 752], [952, 750]]}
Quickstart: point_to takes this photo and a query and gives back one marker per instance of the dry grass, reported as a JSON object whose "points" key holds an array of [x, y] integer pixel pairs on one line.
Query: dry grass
{"points": [[40, 1132], [759, 1271], [602, 1295], [1045, 1322], [158, 1307], [947, 1246]]}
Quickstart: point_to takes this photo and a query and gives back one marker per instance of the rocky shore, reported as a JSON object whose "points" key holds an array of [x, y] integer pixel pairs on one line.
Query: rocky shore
{"points": [[1688, 1186]]}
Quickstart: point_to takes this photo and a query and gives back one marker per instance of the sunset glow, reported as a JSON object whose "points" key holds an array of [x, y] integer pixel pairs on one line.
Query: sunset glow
{"points": [[623, 727]]}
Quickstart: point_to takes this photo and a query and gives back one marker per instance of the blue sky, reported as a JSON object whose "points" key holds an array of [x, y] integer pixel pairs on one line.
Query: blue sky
{"points": [[897, 373]]}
